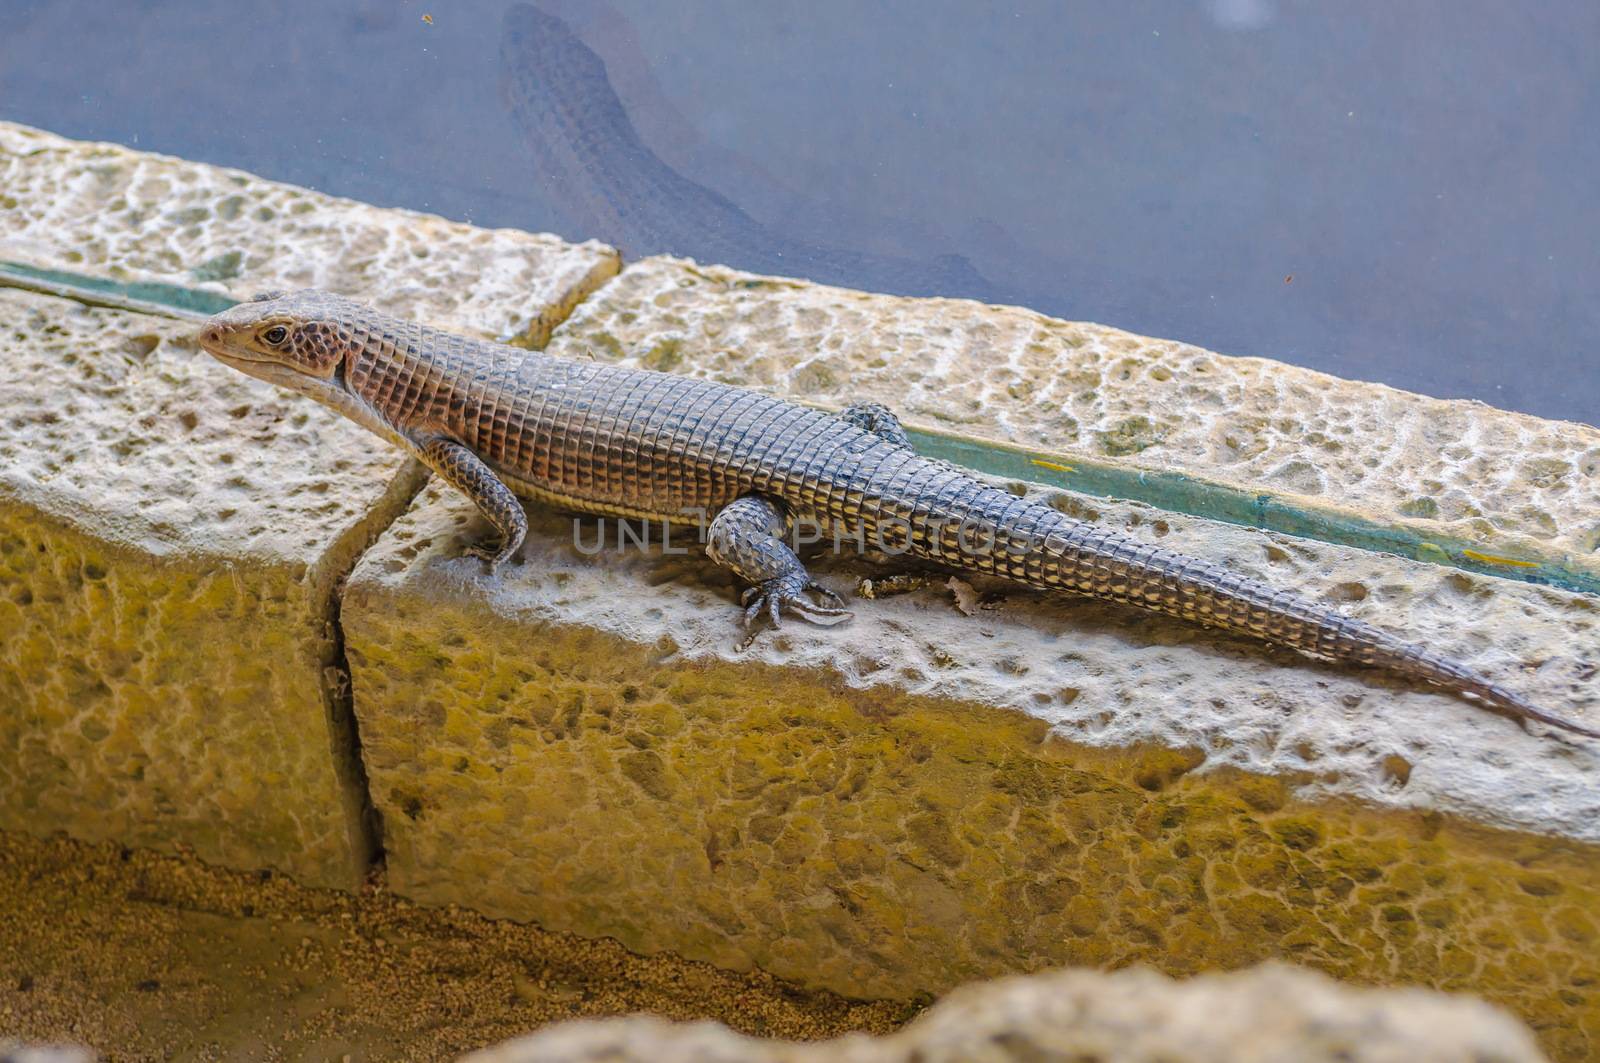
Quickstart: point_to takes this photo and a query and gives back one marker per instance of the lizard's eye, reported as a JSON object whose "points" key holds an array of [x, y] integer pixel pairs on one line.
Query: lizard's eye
{"points": [[275, 335]]}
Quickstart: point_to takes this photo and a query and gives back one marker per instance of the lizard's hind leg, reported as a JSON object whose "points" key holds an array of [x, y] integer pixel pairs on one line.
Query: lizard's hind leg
{"points": [[747, 536]]}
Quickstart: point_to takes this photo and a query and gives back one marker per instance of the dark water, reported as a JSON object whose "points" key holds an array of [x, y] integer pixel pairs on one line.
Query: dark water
{"points": [[1397, 192]]}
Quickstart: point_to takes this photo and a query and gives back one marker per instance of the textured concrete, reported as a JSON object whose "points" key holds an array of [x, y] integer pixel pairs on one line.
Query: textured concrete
{"points": [[1273, 1014], [916, 799], [171, 532], [109, 211], [170, 535], [921, 797], [924, 797], [1509, 482]]}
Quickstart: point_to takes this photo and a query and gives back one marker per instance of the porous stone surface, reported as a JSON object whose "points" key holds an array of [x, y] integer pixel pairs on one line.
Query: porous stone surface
{"points": [[1451, 468], [106, 210], [171, 532], [922, 797], [170, 536], [1271, 1014], [19, 1052]]}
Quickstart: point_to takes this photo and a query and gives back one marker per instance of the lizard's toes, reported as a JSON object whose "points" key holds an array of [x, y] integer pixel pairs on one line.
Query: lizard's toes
{"points": [[825, 594], [754, 601], [784, 594], [824, 615], [493, 555]]}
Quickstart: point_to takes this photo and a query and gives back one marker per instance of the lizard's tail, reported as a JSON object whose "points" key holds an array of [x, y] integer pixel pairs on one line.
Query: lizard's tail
{"points": [[1417, 662], [1199, 591], [1039, 547]]}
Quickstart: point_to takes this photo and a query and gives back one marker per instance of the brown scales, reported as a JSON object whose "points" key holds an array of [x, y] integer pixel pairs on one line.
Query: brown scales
{"points": [[498, 422]]}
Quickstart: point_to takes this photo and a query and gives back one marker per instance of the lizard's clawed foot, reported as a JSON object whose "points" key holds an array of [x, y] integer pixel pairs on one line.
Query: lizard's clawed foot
{"points": [[788, 593], [493, 552]]}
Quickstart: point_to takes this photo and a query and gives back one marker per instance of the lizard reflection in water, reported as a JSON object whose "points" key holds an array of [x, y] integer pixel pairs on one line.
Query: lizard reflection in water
{"points": [[594, 164], [498, 423]]}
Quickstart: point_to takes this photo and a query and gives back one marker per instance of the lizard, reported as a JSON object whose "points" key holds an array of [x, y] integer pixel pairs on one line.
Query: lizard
{"points": [[503, 424]]}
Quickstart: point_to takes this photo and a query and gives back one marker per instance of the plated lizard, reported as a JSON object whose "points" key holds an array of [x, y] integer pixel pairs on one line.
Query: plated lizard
{"points": [[500, 424]]}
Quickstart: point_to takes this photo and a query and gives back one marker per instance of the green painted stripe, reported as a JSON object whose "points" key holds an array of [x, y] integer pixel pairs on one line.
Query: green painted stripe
{"points": [[1178, 493], [151, 296], [1171, 491]]}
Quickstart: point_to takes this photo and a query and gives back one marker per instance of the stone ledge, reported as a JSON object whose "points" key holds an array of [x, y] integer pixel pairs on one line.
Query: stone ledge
{"points": [[1495, 487], [130, 215], [172, 533], [915, 800], [1272, 1013], [921, 798], [170, 538]]}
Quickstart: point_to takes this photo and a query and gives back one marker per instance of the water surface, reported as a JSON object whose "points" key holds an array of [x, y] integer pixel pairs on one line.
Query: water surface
{"points": [[1394, 192]]}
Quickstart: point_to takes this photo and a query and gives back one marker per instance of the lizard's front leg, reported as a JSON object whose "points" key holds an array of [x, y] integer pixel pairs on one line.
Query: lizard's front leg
{"points": [[747, 536], [466, 472]]}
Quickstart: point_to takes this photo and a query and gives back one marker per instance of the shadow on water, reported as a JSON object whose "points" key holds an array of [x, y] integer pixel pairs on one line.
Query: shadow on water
{"points": [[595, 167]]}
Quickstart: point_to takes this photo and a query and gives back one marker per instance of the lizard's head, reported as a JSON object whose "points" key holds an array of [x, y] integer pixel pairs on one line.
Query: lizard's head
{"points": [[295, 339]]}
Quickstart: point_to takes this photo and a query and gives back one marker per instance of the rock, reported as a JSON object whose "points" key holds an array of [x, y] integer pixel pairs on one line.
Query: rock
{"points": [[172, 533], [17, 1052], [889, 808], [1272, 1013], [105, 210], [920, 798]]}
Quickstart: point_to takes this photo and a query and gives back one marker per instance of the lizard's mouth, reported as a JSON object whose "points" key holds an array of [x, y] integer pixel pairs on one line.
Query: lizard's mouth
{"points": [[252, 363], [233, 357]]}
